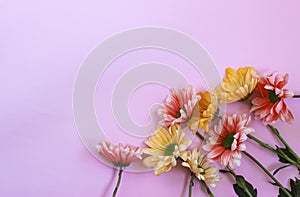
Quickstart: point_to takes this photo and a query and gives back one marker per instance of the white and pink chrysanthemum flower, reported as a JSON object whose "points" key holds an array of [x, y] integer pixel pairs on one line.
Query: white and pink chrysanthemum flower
{"points": [[226, 140], [119, 155], [268, 99], [178, 107]]}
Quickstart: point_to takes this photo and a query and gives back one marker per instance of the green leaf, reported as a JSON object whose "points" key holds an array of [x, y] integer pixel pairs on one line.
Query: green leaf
{"points": [[295, 189], [239, 191], [282, 194], [287, 153], [241, 186], [240, 181], [224, 171]]}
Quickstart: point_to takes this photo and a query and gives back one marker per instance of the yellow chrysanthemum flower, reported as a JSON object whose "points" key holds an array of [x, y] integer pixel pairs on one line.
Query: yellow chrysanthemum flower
{"points": [[238, 85], [204, 111], [165, 146], [202, 169]]}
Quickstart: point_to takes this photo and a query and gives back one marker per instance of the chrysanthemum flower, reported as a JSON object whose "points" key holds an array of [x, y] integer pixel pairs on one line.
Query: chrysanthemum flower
{"points": [[120, 156], [226, 140], [238, 85], [165, 146], [268, 99], [202, 168], [204, 111], [178, 107]]}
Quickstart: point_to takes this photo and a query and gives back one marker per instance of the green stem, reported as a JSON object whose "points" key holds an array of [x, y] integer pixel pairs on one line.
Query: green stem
{"points": [[268, 173], [199, 135], [118, 183], [231, 172], [245, 187], [276, 132], [267, 146], [207, 189], [191, 184], [296, 96]]}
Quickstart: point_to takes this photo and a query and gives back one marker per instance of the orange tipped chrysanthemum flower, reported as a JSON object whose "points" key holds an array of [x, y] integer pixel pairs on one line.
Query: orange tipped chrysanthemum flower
{"points": [[226, 140], [120, 156], [268, 99], [178, 107]]}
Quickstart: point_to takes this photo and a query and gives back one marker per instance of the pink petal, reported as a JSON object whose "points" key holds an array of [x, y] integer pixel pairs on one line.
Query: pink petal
{"points": [[215, 153], [287, 94], [225, 158]]}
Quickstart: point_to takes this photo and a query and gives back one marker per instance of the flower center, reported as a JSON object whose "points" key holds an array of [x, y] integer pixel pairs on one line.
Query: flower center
{"points": [[273, 97], [228, 141], [170, 149], [121, 164], [178, 115]]}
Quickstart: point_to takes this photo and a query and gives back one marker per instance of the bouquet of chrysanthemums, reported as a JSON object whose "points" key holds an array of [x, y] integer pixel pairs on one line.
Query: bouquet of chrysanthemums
{"points": [[223, 136]]}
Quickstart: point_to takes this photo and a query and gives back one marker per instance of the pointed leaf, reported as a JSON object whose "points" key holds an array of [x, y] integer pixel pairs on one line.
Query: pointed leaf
{"points": [[295, 187], [287, 153], [239, 191], [224, 171], [282, 194], [242, 185], [240, 181]]}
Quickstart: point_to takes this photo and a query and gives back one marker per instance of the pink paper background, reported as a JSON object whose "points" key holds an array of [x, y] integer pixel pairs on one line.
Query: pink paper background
{"points": [[42, 45]]}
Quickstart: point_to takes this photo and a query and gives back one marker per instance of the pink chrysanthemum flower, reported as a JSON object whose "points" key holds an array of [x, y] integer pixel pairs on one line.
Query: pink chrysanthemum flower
{"points": [[226, 140], [119, 155], [178, 107], [268, 99]]}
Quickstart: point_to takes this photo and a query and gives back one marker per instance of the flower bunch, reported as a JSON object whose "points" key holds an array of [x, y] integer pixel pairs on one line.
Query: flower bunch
{"points": [[187, 112], [223, 135], [183, 109]]}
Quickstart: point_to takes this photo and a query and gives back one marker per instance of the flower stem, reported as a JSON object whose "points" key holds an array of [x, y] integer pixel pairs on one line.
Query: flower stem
{"points": [[199, 135], [245, 187], [191, 184], [267, 146], [118, 183], [268, 173], [207, 189], [296, 96], [231, 172], [276, 132]]}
